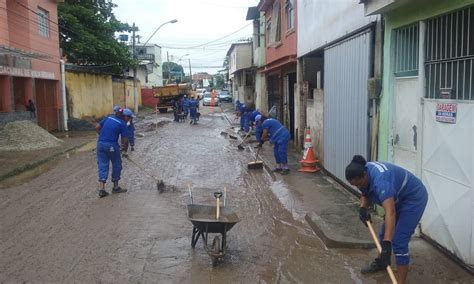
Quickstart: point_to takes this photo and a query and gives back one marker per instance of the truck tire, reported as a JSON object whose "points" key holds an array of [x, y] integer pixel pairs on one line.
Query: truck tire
{"points": [[163, 110]]}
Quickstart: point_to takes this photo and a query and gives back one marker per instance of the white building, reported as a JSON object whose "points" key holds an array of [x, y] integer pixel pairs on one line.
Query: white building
{"points": [[150, 71], [240, 72]]}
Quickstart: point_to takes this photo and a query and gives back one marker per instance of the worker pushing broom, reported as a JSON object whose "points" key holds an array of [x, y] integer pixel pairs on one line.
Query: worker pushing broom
{"points": [[403, 197]]}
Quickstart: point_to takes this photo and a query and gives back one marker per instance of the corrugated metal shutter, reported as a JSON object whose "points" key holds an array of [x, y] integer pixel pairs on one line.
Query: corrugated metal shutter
{"points": [[346, 67]]}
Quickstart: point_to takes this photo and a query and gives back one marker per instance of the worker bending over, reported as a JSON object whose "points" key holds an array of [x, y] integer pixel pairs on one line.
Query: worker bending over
{"points": [[403, 197]]}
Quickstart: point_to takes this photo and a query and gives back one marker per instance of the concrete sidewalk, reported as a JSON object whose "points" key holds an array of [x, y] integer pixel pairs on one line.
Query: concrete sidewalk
{"points": [[14, 163], [330, 210]]}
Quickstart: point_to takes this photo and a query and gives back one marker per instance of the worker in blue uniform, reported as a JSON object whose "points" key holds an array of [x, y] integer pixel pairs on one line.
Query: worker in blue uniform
{"points": [[193, 107], [186, 106], [272, 130], [403, 197], [108, 149], [243, 112], [259, 130]]}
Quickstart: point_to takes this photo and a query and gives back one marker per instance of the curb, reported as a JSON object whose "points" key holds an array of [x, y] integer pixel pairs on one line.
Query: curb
{"points": [[331, 240], [33, 165]]}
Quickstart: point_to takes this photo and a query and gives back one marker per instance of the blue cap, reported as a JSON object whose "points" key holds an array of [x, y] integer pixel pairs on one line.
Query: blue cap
{"points": [[116, 108], [258, 117], [128, 112], [254, 114]]}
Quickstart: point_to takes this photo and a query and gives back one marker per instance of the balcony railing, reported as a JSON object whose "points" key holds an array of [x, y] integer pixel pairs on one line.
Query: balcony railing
{"points": [[149, 57]]}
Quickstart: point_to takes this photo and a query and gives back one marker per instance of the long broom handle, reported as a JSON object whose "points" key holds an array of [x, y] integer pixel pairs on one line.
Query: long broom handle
{"points": [[379, 248], [217, 207]]}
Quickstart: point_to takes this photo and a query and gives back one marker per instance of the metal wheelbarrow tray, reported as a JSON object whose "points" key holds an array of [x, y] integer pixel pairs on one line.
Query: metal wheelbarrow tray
{"points": [[203, 218]]}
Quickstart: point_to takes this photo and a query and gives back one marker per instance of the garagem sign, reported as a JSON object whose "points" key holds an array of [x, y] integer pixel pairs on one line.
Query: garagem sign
{"points": [[446, 112]]}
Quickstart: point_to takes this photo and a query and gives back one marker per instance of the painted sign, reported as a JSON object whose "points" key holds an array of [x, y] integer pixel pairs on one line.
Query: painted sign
{"points": [[22, 72], [446, 112]]}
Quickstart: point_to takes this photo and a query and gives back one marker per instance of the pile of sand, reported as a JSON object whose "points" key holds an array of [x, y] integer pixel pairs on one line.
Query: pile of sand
{"points": [[24, 136]]}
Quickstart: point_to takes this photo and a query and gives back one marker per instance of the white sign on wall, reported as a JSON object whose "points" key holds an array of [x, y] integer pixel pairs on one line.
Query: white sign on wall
{"points": [[22, 72]]}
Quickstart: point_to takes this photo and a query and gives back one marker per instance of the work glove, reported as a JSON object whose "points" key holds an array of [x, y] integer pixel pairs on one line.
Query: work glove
{"points": [[124, 154], [364, 216], [386, 253]]}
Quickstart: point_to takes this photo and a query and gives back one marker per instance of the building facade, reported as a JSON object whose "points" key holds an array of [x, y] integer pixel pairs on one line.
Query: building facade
{"points": [[427, 110], [280, 59], [29, 61], [338, 58], [258, 40], [150, 70], [241, 76]]}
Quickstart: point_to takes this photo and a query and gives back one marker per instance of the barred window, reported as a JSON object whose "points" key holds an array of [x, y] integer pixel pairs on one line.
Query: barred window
{"points": [[450, 56], [406, 51], [43, 22]]}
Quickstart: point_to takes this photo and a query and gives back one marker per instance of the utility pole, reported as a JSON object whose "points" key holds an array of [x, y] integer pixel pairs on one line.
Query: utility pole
{"points": [[135, 99], [190, 74], [168, 60]]}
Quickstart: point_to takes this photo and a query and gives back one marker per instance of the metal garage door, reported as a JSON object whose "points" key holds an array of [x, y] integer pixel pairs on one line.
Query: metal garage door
{"points": [[346, 67]]}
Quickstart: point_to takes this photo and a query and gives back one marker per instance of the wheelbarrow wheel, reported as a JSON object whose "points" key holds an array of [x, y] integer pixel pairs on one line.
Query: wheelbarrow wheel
{"points": [[215, 250]]}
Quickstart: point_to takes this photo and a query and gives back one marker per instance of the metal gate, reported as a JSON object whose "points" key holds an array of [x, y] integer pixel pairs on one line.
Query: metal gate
{"points": [[448, 174], [346, 67], [448, 153]]}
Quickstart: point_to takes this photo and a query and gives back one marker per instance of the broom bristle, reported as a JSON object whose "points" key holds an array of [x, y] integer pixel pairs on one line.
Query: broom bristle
{"points": [[255, 165]]}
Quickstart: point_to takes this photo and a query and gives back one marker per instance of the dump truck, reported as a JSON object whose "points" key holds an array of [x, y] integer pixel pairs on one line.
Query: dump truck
{"points": [[167, 94]]}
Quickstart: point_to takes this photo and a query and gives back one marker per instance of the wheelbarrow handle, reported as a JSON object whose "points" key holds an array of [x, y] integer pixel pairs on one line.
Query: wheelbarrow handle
{"points": [[190, 194]]}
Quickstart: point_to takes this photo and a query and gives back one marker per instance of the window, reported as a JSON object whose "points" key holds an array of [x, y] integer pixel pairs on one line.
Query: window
{"points": [[406, 51], [449, 64], [290, 15], [273, 25], [268, 32], [248, 79], [43, 22]]}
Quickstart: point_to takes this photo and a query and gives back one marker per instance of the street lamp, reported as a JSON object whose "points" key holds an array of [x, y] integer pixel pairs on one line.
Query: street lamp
{"points": [[135, 99], [169, 22]]}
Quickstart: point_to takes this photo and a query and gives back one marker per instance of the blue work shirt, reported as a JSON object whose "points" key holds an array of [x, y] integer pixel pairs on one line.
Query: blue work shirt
{"points": [[193, 103], [387, 180], [242, 108], [275, 129], [110, 129]]}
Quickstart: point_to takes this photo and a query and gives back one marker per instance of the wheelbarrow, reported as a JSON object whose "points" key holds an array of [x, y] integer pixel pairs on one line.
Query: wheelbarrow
{"points": [[207, 219]]}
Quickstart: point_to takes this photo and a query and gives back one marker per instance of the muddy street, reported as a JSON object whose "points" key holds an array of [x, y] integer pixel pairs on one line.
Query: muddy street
{"points": [[56, 229]]}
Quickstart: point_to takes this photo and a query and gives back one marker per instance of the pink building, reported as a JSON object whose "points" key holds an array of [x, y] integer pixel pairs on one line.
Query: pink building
{"points": [[29, 61], [280, 63]]}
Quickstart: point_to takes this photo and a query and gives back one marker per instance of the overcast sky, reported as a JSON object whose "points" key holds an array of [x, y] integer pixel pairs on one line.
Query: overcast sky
{"points": [[199, 22]]}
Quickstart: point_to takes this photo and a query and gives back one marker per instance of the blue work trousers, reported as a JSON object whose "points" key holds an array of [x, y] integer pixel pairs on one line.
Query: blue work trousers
{"points": [[106, 153], [193, 114], [407, 218], [280, 148]]}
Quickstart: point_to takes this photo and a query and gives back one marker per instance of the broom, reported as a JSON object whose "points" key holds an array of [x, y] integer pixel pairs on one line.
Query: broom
{"points": [[160, 185], [243, 141], [255, 164]]}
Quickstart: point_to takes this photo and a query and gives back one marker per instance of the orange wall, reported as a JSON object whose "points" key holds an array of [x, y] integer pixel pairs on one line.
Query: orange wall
{"points": [[3, 23], [288, 41], [19, 29]]}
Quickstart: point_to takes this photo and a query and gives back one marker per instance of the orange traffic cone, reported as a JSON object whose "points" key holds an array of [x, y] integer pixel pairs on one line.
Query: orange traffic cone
{"points": [[308, 164]]}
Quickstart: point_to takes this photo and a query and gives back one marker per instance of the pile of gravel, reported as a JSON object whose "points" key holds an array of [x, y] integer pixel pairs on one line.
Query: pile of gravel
{"points": [[24, 136]]}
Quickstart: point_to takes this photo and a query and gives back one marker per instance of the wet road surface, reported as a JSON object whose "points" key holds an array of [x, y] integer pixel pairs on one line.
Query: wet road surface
{"points": [[54, 228]]}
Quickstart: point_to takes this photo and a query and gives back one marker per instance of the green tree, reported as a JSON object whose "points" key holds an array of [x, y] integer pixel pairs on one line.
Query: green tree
{"points": [[220, 81], [172, 70], [87, 35]]}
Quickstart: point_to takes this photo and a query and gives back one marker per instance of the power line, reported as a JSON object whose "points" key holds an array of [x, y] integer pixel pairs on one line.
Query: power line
{"points": [[207, 43]]}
